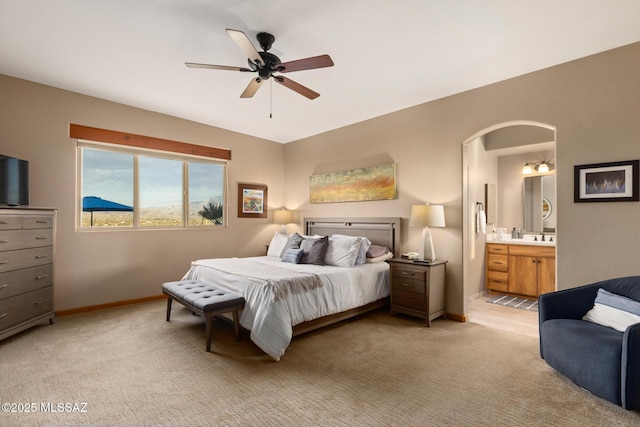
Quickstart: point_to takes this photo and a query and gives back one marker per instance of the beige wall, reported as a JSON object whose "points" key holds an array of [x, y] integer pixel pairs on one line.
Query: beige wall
{"points": [[100, 267], [593, 104]]}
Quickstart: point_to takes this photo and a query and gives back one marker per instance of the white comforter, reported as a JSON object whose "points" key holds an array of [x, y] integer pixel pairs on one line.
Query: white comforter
{"points": [[270, 318]]}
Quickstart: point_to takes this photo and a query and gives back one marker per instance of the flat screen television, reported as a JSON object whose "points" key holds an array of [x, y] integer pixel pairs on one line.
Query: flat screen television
{"points": [[14, 181]]}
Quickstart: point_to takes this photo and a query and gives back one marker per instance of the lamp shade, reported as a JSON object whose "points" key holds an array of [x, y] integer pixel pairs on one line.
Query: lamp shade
{"points": [[427, 216], [283, 217]]}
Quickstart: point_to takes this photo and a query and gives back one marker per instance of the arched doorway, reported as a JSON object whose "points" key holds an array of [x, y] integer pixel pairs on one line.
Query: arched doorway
{"points": [[479, 170]]}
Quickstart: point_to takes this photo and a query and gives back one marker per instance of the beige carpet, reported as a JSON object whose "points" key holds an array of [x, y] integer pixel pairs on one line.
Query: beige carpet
{"points": [[131, 367]]}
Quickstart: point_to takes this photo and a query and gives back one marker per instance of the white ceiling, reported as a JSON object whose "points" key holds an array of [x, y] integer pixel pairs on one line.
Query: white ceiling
{"points": [[388, 54]]}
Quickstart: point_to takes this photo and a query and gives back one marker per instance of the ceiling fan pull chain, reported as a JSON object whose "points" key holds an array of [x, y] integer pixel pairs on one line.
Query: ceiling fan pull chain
{"points": [[270, 98]]}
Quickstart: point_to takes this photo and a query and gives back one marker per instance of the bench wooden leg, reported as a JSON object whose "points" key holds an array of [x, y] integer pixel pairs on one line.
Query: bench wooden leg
{"points": [[236, 324], [169, 300], [209, 328]]}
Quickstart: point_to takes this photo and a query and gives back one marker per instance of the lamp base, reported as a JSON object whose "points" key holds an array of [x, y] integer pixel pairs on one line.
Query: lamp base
{"points": [[427, 252]]}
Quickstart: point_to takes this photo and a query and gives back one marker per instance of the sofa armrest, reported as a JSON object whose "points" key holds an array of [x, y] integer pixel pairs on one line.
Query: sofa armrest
{"points": [[631, 368]]}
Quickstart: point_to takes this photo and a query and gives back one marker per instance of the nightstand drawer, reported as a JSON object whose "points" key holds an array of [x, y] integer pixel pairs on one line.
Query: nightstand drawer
{"points": [[498, 262], [402, 284], [409, 300], [408, 273]]}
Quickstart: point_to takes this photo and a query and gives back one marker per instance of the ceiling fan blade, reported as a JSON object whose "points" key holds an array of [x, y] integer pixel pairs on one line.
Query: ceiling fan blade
{"points": [[306, 64], [217, 67], [245, 44], [296, 87], [253, 87]]}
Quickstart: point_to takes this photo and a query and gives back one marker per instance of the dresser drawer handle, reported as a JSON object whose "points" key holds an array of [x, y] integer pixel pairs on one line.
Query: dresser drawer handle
{"points": [[409, 299], [41, 301], [42, 238], [3, 223], [42, 221], [406, 273], [4, 286], [43, 276], [42, 256], [3, 315], [408, 285], [4, 262], [4, 241]]}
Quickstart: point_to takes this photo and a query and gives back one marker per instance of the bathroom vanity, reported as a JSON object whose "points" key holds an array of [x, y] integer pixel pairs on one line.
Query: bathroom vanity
{"points": [[520, 267]]}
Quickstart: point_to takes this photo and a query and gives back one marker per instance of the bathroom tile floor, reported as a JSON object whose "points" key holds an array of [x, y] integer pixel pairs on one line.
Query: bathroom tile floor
{"points": [[500, 317]]}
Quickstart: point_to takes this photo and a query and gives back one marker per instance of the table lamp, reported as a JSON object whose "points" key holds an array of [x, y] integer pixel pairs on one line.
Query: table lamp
{"points": [[283, 217], [427, 216]]}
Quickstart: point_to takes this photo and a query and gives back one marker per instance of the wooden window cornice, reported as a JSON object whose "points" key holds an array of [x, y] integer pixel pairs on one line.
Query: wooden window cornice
{"points": [[147, 142]]}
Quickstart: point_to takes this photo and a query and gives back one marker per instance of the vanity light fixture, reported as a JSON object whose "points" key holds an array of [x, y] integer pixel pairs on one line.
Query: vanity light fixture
{"points": [[542, 167]]}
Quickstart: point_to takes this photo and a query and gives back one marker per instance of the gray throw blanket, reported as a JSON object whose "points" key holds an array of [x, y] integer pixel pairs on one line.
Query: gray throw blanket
{"points": [[282, 280]]}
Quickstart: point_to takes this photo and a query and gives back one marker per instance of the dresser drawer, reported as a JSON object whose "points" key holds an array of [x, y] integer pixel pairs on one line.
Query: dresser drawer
{"points": [[10, 222], [409, 285], [25, 280], [408, 272], [24, 258], [409, 300], [25, 306], [21, 239], [498, 262], [497, 281], [37, 221]]}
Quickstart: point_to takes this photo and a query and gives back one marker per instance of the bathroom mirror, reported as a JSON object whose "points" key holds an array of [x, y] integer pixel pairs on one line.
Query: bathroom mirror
{"points": [[538, 197]]}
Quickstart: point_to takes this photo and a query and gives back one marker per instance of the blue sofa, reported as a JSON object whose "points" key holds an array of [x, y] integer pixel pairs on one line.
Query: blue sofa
{"points": [[598, 358]]}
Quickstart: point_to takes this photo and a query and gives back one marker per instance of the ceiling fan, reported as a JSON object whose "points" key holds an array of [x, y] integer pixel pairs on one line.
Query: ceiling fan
{"points": [[266, 64]]}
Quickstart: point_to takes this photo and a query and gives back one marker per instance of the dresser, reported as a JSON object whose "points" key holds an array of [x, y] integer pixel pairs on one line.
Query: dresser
{"points": [[418, 289], [27, 237]]}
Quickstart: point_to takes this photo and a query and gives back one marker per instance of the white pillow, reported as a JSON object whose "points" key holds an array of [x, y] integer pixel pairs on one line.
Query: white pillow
{"points": [[343, 251], [612, 310], [277, 245], [364, 247]]}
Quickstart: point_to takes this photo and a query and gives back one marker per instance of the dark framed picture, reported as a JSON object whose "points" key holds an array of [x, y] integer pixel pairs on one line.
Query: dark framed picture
{"points": [[606, 182], [252, 201]]}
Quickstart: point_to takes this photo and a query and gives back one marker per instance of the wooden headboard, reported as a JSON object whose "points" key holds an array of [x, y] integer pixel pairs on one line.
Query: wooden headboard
{"points": [[380, 231]]}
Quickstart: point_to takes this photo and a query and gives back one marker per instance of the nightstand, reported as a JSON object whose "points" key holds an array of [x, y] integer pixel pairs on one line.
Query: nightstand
{"points": [[418, 289]]}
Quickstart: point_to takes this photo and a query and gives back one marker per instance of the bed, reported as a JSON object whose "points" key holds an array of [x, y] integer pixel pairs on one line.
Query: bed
{"points": [[285, 299]]}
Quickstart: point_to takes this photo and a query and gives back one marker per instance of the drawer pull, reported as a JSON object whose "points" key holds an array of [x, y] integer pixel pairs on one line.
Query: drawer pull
{"points": [[42, 238], [408, 285], [3, 315], [3, 223], [409, 300], [42, 221], [4, 286], [498, 262], [406, 273], [43, 276], [42, 256], [41, 302], [4, 241], [4, 262]]}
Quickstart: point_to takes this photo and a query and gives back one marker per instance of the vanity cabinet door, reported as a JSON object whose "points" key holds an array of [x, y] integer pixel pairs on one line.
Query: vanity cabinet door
{"points": [[523, 275], [546, 275]]}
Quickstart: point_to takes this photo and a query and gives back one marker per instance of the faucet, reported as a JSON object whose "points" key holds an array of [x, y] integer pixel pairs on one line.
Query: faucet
{"points": [[542, 239]]}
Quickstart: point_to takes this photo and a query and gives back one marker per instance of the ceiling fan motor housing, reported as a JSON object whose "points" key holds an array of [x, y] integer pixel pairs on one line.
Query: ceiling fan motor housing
{"points": [[270, 66]]}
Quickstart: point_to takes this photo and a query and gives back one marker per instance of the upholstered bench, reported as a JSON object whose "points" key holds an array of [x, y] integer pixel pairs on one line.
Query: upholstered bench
{"points": [[206, 300]]}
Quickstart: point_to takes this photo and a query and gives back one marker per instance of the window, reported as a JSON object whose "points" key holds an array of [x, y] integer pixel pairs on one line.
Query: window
{"points": [[129, 187]]}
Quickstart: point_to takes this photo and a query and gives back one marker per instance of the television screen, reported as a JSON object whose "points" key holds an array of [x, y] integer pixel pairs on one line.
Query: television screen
{"points": [[14, 181]]}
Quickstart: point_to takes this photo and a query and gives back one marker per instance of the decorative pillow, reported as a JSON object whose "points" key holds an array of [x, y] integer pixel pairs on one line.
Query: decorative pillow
{"points": [[614, 311], [381, 258], [343, 252], [293, 242], [292, 255], [314, 250], [276, 247], [364, 247], [376, 251]]}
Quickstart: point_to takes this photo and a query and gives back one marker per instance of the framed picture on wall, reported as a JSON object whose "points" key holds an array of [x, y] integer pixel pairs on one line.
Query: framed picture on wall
{"points": [[606, 182], [252, 201]]}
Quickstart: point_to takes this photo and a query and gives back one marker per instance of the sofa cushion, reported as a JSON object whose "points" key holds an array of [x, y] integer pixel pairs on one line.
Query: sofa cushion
{"points": [[565, 343]]}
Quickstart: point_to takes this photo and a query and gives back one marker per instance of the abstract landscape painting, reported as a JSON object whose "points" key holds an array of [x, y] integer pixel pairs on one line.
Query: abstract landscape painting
{"points": [[354, 185]]}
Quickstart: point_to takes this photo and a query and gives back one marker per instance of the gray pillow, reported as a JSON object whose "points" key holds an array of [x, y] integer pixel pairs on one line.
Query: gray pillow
{"points": [[293, 242], [314, 250]]}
